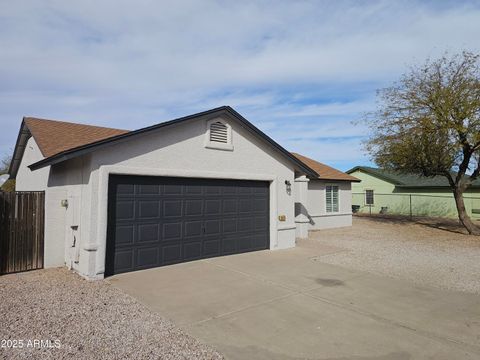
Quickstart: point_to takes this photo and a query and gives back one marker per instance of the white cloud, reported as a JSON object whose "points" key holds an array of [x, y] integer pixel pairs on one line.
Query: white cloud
{"points": [[300, 70]]}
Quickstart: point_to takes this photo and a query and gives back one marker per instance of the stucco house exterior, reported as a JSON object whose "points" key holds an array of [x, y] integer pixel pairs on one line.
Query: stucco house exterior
{"points": [[386, 191], [204, 185]]}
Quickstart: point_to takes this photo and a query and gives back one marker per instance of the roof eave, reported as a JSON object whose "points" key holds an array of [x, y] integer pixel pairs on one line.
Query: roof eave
{"points": [[20, 145], [332, 179], [84, 149], [372, 173]]}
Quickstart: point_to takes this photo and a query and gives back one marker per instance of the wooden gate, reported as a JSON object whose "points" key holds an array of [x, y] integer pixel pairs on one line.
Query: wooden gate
{"points": [[22, 216]]}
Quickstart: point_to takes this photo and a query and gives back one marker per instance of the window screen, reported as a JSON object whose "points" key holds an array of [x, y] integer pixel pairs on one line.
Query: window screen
{"points": [[332, 198]]}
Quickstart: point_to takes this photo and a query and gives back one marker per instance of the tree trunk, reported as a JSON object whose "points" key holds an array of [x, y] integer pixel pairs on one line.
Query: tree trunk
{"points": [[462, 213]]}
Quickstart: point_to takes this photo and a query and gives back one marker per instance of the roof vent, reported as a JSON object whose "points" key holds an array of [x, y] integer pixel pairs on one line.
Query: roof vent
{"points": [[218, 132]]}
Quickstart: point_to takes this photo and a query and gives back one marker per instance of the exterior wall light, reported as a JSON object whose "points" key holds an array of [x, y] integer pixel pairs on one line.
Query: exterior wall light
{"points": [[288, 184]]}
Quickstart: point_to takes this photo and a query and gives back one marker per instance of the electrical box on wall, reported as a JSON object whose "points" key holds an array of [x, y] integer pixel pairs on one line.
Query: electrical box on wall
{"points": [[282, 218]]}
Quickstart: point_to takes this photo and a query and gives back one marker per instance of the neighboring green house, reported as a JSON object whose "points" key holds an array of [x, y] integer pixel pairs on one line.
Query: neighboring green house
{"points": [[382, 191]]}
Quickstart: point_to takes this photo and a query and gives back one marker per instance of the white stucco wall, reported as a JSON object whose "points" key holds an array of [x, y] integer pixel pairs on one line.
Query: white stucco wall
{"points": [[26, 179], [177, 150], [316, 205], [64, 225]]}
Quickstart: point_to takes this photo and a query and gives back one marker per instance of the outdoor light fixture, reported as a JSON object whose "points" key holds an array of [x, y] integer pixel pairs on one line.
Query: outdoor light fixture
{"points": [[289, 186], [64, 203]]}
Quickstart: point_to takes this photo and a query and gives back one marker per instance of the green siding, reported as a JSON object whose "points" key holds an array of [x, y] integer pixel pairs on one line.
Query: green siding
{"points": [[424, 201]]}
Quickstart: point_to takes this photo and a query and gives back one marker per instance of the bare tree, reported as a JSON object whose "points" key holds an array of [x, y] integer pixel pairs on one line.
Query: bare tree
{"points": [[428, 123], [5, 163]]}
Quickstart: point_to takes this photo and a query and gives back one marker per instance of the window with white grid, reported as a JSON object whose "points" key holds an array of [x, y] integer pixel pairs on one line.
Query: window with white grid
{"points": [[332, 198]]}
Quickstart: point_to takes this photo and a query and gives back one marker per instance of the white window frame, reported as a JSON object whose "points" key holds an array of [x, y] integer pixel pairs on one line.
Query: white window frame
{"points": [[228, 146], [338, 199], [373, 197]]}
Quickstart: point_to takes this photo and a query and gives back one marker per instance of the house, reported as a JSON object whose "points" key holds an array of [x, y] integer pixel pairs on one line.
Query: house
{"points": [[200, 186], [328, 203], [383, 191]]}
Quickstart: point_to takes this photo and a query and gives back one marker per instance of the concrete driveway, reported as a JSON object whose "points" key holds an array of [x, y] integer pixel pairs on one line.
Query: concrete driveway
{"points": [[289, 305]]}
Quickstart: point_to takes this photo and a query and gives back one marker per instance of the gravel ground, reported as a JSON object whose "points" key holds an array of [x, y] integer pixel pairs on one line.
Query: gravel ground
{"points": [[427, 251], [92, 320]]}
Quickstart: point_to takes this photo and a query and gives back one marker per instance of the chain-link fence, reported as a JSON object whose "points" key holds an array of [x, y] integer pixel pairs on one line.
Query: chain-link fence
{"points": [[412, 204]]}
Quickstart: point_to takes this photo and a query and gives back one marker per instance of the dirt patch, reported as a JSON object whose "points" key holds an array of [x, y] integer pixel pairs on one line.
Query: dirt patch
{"points": [[433, 252], [90, 320]]}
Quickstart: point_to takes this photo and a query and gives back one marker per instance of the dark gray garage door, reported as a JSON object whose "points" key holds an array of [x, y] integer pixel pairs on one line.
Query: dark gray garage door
{"points": [[155, 221]]}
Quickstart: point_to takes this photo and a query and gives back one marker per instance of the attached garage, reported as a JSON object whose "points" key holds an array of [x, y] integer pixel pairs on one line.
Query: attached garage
{"points": [[156, 221], [204, 185]]}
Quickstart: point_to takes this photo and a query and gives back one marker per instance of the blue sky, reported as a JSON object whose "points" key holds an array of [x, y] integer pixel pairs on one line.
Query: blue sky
{"points": [[301, 71]]}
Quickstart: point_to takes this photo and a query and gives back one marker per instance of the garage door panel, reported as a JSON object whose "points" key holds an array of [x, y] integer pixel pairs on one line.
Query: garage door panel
{"points": [[125, 210], [124, 234], [192, 251], [212, 247], [193, 190], [245, 205], [245, 224], [244, 190], [212, 227], [244, 243], [147, 233], [172, 231], [261, 223], [260, 205], [171, 253], [229, 190], [230, 206], [260, 191], [258, 242], [124, 260], [155, 221], [125, 189], [147, 257], [229, 226], [148, 209], [229, 246], [193, 207], [213, 207], [172, 208], [193, 228], [172, 189], [148, 189], [212, 190]]}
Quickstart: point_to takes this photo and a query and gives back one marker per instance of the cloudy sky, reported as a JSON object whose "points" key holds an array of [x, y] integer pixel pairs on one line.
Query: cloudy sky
{"points": [[299, 70]]}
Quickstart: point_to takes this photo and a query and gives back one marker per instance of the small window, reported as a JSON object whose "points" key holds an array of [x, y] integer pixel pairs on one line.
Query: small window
{"points": [[218, 132], [369, 197], [332, 198]]}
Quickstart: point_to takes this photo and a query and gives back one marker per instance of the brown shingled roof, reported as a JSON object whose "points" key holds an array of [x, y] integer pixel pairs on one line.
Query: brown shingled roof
{"points": [[326, 172], [54, 136]]}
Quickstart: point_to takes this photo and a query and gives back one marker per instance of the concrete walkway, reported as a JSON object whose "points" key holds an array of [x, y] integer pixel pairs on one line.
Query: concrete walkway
{"points": [[289, 305]]}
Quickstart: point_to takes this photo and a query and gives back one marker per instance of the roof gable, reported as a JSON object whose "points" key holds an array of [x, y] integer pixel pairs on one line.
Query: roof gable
{"points": [[116, 135]]}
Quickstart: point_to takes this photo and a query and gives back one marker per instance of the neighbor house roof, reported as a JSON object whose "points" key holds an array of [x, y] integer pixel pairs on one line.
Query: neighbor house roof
{"points": [[406, 180], [60, 141], [324, 171]]}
